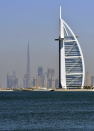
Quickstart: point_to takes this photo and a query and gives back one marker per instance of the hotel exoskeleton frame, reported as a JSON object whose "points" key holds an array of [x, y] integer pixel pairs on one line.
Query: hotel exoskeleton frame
{"points": [[71, 61]]}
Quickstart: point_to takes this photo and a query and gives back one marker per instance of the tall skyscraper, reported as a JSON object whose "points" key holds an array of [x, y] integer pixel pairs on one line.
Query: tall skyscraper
{"points": [[40, 73], [45, 81], [14, 74], [49, 73], [39, 83], [53, 78], [35, 81], [87, 79], [26, 79], [9, 81], [71, 60], [92, 81], [49, 82], [12, 81], [28, 61]]}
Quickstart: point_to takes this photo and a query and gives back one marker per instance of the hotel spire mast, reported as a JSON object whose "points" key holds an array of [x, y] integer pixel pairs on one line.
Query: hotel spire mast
{"points": [[62, 81]]}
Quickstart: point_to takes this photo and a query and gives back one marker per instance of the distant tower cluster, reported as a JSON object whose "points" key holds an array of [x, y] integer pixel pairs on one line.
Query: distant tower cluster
{"points": [[45, 80], [41, 79], [12, 81]]}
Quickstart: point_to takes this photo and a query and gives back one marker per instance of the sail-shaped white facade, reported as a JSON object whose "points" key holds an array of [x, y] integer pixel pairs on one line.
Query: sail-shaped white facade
{"points": [[71, 61]]}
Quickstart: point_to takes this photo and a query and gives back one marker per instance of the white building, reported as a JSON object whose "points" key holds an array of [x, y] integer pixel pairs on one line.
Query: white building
{"points": [[71, 61]]}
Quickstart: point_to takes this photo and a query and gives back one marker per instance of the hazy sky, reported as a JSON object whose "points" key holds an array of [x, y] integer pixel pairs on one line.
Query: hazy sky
{"points": [[37, 21]]}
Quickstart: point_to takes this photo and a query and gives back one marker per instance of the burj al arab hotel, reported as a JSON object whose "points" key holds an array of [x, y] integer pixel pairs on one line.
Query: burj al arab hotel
{"points": [[71, 61]]}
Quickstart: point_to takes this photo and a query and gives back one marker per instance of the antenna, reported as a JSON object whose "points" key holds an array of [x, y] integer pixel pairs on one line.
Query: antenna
{"points": [[60, 12]]}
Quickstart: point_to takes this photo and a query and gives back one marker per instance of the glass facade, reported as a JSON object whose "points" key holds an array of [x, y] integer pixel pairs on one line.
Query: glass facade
{"points": [[73, 63]]}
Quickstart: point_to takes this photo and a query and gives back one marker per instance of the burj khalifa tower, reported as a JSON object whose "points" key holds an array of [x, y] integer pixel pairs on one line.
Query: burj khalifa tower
{"points": [[28, 62]]}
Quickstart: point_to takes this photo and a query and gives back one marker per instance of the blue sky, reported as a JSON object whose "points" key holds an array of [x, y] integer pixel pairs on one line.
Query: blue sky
{"points": [[37, 21]]}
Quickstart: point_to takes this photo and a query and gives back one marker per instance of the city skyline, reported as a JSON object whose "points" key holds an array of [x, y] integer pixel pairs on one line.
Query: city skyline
{"points": [[22, 22], [47, 76], [41, 79]]}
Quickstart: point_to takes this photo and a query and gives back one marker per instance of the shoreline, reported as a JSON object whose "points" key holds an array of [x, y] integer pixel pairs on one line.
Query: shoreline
{"points": [[59, 90], [74, 90], [6, 90]]}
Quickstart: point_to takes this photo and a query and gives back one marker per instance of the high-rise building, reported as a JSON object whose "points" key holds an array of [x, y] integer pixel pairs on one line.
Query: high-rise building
{"points": [[49, 83], [26, 79], [15, 82], [9, 81], [49, 80], [12, 81], [92, 81], [71, 60], [45, 81], [28, 62], [14, 74], [35, 81], [53, 78], [39, 83], [49, 73], [87, 79], [40, 73]]}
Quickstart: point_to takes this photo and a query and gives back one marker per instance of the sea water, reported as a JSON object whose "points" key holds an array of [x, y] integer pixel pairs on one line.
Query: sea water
{"points": [[47, 111]]}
